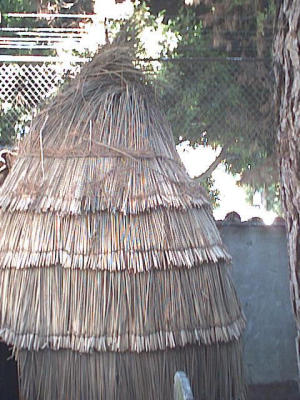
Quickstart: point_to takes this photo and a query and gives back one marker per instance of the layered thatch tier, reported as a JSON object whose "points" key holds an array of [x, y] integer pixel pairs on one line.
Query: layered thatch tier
{"points": [[110, 241], [102, 311], [76, 185], [215, 372], [96, 149], [112, 272]]}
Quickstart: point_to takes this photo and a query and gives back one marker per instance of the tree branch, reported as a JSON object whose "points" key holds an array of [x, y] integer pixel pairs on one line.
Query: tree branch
{"points": [[214, 164]]}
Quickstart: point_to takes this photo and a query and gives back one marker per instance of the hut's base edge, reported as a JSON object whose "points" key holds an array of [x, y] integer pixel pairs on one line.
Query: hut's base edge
{"points": [[215, 372]]}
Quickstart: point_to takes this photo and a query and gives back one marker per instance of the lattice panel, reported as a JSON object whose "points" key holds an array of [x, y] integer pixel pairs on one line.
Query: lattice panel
{"points": [[24, 87]]}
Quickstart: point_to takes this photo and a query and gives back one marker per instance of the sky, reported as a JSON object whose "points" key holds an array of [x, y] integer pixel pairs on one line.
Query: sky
{"points": [[232, 196]]}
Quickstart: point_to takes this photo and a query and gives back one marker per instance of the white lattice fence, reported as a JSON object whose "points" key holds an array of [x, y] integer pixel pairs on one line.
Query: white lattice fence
{"points": [[24, 87]]}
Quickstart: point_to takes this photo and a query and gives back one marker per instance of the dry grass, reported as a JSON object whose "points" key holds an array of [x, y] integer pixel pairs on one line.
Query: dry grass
{"points": [[162, 239], [102, 311], [115, 376], [112, 271]]}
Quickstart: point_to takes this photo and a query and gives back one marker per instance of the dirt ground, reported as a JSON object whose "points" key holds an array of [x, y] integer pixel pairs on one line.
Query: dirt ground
{"points": [[275, 391]]}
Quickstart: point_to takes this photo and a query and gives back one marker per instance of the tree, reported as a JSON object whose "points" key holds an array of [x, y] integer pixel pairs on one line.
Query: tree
{"points": [[226, 103], [230, 102], [287, 73], [240, 27]]}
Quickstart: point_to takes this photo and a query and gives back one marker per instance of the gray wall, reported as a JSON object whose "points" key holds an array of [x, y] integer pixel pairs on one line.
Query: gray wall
{"points": [[260, 273]]}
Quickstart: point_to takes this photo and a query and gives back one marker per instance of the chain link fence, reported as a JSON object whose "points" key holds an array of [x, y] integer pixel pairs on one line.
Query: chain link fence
{"points": [[227, 101], [207, 100]]}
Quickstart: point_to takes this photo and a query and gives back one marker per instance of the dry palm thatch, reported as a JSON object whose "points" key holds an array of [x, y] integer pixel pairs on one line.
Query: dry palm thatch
{"points": [[112, 272]]}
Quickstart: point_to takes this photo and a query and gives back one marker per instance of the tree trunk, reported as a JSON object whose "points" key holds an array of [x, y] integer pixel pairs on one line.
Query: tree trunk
{"points": [[287, 73]]}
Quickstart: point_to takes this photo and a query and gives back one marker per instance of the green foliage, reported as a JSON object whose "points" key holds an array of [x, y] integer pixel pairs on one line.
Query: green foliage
{"points": [[212, 191], [7, 133], [273, 201], [16, 6], [209, 101], [265, 17], [213, 102], [208, 98], [132, 30], [270, 195], [7, 129], [239, 3], [19, 6]]}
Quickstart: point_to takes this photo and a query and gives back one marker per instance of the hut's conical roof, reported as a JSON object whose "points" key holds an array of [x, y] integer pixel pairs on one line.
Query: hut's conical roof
{"points": [[107, 245], [112, 147], [98, 183]]}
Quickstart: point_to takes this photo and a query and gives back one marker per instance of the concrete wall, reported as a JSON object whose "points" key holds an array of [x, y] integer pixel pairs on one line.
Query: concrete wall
{"points": [[260, 273]]}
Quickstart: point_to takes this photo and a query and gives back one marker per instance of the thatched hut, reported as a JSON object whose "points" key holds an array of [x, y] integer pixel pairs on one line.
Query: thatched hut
{"points": [[112, 271]]}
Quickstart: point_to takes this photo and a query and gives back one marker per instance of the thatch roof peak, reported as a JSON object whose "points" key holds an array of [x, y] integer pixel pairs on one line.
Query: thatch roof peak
{"points": [[101, 144], [108, 96]]}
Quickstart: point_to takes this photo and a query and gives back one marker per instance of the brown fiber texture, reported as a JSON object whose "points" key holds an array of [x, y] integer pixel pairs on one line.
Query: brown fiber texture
{"points": [[115, 376], [112, 272]]}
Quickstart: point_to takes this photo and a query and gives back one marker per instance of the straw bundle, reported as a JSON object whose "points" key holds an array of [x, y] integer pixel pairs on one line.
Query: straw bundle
{"points": [[112, 271]]}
